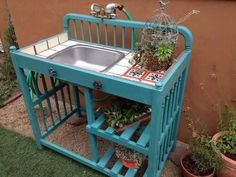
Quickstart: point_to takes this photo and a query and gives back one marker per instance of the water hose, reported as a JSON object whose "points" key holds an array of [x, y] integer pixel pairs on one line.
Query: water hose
{"points": [[128, 16]]}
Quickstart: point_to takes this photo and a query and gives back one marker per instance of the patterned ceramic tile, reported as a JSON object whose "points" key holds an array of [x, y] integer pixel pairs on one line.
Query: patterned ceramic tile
{"points": [[47, 53], [135, 73], [63, 37], [52, 42], [42, 46], [29, 50], [153, 76], [59, 47]]}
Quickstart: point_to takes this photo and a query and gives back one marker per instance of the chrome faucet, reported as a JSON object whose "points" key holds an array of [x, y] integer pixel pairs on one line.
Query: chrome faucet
{"points": [[105, 12]]}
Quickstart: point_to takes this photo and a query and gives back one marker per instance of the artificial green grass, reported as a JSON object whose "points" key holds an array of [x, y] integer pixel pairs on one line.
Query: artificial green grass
{"points": [[19, 157]]}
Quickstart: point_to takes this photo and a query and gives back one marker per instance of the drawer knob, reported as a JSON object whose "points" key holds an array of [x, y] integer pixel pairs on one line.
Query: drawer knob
{"points": [[97, 85], [52, 72]]}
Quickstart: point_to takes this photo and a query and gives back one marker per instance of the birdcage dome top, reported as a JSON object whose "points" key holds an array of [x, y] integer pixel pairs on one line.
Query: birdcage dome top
{"points": [[158, 28]]}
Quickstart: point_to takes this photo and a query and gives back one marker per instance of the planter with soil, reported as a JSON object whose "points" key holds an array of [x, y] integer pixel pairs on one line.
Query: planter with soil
{"points": [[158, 57], [125, 113], [190, 169], [229, 159], [129, 158]]}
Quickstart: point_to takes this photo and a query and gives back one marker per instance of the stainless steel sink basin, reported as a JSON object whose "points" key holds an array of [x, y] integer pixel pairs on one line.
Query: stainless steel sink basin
{"points": [[93, 58]]}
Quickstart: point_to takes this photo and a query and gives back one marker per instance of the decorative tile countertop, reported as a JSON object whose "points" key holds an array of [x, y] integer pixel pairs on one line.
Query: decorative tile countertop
{"points": [[122, 69]]}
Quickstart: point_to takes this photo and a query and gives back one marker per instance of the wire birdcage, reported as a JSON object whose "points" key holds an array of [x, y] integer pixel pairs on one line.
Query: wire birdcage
{"points": [[160, 27], [159, 40]]}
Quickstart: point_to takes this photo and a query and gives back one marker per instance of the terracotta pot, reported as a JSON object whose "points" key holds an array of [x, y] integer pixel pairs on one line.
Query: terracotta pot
{"points": [[229, 165], [129, 164], [186, 173]]}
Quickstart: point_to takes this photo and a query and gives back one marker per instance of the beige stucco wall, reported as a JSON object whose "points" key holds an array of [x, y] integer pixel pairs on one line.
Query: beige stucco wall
{"points": [[3, 5], [214, 49]]}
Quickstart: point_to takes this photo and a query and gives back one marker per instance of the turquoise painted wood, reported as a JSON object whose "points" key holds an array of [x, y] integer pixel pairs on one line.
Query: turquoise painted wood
{"points": [[156, 140]]}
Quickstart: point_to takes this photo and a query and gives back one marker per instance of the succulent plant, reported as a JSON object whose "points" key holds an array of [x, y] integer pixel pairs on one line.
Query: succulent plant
{"points": [[154, 57], [164, 51]]}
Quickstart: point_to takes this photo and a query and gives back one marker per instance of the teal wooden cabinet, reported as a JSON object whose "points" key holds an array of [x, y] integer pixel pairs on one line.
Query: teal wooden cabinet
{"points": [[156, 139]]}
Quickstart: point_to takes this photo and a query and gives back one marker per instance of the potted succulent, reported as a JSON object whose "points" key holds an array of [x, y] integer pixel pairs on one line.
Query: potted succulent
{"points": [[124, 113], [201, 160], [129, 157], [154, 57], [225, 141]]}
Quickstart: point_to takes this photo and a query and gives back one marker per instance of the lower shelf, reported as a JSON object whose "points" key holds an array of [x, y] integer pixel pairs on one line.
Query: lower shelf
{"points": [[106, 164], [135, 137], [114, 167]]}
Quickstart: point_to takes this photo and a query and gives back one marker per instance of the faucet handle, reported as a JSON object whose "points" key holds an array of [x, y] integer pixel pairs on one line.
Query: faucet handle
{"points": [[95, 8], [112, 15]]}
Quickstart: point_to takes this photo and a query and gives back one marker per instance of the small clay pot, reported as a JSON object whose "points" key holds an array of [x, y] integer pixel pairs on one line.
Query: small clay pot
{"points": [[186, 173], [229, 165], [129, 164]]}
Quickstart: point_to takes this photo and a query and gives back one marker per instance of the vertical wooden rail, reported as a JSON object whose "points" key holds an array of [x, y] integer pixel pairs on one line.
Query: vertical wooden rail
{"points": [[114, 35], [90, 32], [69, 96], [48, 100], [123, 37], [63, 98], [106, 35], [76, 99], [132, 39], [182, 81], [42, 115], [55, 98], [98, 33], [75, 29], [82, 30]]}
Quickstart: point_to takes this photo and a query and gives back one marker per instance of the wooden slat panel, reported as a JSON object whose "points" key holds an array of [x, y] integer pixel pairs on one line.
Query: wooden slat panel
{"points": [[144, 138], [127, 134], [107, 156], [117, 167]]}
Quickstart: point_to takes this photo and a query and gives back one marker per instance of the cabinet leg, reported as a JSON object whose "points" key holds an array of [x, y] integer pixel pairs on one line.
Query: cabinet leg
{"points": [[91, 118]]}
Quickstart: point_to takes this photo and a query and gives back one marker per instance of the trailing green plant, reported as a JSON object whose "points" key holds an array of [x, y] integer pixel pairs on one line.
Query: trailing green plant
{"points": [[9, 36], [227, 142], [9, 40], [228, 120], [7, 70], [124, 112], [201, 147], [7, 86], [202, 153]]}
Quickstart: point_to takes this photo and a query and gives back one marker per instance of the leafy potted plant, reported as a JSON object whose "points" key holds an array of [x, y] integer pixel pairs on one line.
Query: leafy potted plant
{"points": [[124, 113], [201, 160], [225, 141], [129, 157], [154, 57]]}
